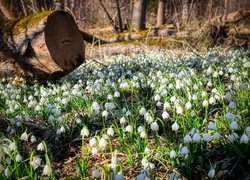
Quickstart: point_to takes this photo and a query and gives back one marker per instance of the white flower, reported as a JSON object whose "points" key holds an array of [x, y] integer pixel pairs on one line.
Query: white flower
{"points": [[244, 139], [24, 136], [60, 119], [143, 134], [123, 120], [173, 99], [58, 132], [36, 162], [94, 151], [216, 135], [207, 137], [128, 113], [103, 142], [196, 137], [7, 172], [19, 157], [119, 177], [142, 111], [92, 141], [154, 126], [204, 93], [96, 173], [209, 84], [117, 94], [188, 105], [12, 146], [146, 150], [148, 118], [124, 110], [194, 97], [228, 96], [32, 139], [110, 97], [184, 150], [105, 113], [234, 125], [166, 105], [110, 132], [144, 161], [51, 118], [209, 70], [40, 147], [175, 127], [211, 173], [159, 104], [62, 129], [129, 128], [212, 100], [205, 103], [187, 139], [230, 116], [247, 130], [232, 137], [142, 176], [157, 97], [232, 105], [47, 170], [211, 126], [85, 132], [165, 115], [8, 160], [113, 162], [179, 110], [96, 107], [140, 129], [149, 166], [195, 86], [124, 85], [173, 154], [110, 105]]}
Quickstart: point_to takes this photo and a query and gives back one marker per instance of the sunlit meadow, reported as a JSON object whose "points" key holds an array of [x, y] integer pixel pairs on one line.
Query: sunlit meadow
{"points": [[155, 115]]}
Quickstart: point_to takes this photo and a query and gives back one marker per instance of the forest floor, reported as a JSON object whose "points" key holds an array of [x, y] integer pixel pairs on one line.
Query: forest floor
{"points": [[141, 112]]}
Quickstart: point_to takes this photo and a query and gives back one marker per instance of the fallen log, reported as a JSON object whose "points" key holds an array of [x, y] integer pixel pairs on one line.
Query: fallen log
{"points": [[44, 46], [230, 30]]}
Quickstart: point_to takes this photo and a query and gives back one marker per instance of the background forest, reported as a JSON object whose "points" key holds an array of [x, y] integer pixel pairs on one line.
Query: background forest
{"points": [[124, 89]]}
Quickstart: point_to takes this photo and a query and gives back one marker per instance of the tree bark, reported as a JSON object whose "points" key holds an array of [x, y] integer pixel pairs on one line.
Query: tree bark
{"points": [[139, 15], [5, 11], [161, 12], [119, 16], [185, 11], [44, 46]]}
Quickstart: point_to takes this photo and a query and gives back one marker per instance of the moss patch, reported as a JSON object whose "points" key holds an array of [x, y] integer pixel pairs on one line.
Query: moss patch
{"points": [[143, 33], [13, 27]]}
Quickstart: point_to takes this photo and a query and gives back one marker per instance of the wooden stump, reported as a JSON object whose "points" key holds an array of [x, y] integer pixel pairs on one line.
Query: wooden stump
{"points": [[44, 46]]}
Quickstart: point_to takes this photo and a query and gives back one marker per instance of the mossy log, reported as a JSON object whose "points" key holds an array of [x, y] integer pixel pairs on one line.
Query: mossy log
{"points": [[230, 30], [44, 46]]}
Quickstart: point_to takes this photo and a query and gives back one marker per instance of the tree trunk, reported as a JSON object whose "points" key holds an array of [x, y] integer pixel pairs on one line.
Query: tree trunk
{"points": [[119, 16], [139, 15], [5, 11], [185, 11], [161, 12], [44, 46]]}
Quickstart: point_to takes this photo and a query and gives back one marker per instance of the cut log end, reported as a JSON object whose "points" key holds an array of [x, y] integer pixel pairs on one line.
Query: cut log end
{"points": [[47, 51], [64, 41]]}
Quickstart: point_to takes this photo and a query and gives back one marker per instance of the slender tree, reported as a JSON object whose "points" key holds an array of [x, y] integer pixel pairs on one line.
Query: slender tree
{"points": [[139, 14], [185, 11], [161, 12], [119, 16]]}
